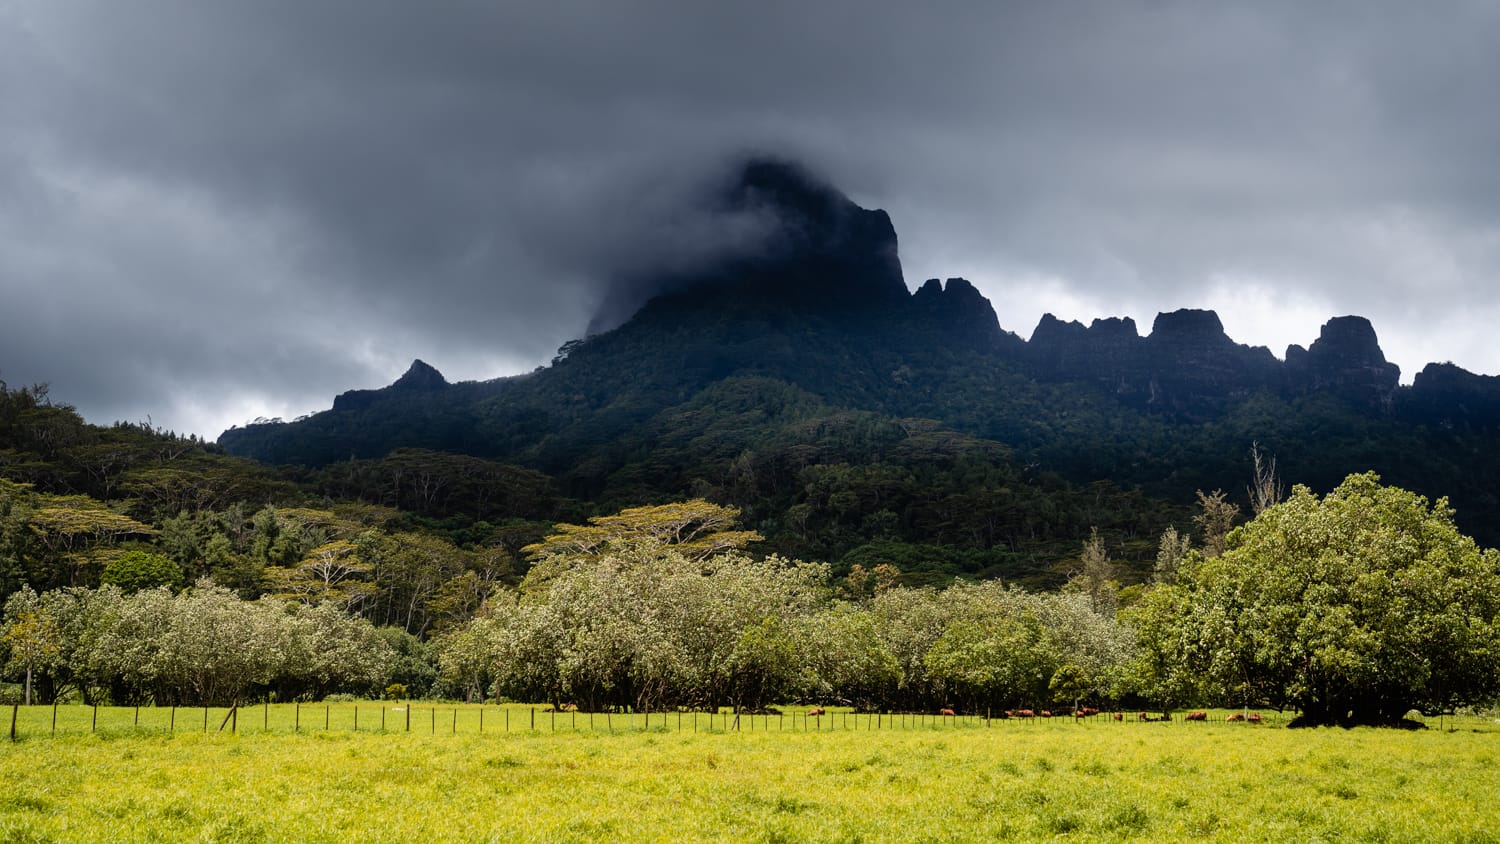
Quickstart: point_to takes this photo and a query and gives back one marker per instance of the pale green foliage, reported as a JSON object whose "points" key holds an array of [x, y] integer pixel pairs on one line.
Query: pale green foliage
{"points": [[204, 645], [1215, 520], [1171, 553], [320, 648], [988, 645], [850, 658], [648, 631]]}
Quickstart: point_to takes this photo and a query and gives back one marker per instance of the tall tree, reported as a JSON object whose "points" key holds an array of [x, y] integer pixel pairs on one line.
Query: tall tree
{"points": [[1354, 609]]}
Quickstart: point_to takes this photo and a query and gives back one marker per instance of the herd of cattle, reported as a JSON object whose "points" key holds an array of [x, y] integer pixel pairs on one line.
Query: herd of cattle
{"points": [[1083, 712]]}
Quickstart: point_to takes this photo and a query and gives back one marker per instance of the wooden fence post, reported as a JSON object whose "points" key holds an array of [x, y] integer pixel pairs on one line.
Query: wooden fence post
{"points": [[15, 709], [95, 725], [297, 716]]}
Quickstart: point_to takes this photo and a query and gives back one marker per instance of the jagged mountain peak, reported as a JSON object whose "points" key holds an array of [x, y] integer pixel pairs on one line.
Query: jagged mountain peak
{"points": [[420, 376], [812, 248]]}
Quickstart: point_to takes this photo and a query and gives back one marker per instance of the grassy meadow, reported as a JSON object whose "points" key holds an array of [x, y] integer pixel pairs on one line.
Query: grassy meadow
{"points": [[932, 780]]}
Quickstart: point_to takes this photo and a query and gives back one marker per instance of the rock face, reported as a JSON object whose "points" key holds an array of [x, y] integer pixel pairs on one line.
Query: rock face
{"points": [[1196, 369], [961, 315], [1187, 366], [1447, 396], [1345, 359], [419, 378], [1109, 353]]}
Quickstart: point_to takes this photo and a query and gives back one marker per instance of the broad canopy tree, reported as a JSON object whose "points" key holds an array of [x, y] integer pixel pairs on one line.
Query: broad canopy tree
{"points": [[1353, 609]]}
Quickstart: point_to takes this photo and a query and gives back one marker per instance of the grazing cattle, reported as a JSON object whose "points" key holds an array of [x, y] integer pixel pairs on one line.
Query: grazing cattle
{"points": [[1044, 714], [1023, 713], [1119, 716], [1085, 712], [1196, 716], [947, 712], [1253, 718], [1235, 717], [817, 710]]}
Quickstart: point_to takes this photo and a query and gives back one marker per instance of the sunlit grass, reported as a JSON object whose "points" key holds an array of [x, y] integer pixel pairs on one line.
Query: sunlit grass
{"points": [[936, 780]]}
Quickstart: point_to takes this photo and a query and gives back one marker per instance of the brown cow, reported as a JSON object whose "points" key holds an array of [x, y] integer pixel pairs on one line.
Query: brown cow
{"points": [[947, 712], [817, 710], [1235, 717], [1119, 716], [1085, 712], [1253, 718], [1024, 713], [1195, 716], [1044, 714]]}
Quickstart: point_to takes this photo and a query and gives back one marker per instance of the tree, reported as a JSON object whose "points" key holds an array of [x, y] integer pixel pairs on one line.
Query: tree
{"points": [[331, 572], [1353, 609], [1265, 488], [1096, 575], [1215, 519], [1174, 548], [695, 530], [31, 634], [133, 571]]}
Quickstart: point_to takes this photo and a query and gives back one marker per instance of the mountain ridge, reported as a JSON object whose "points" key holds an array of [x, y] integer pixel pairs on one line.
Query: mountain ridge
{"points": [[821, 305]]}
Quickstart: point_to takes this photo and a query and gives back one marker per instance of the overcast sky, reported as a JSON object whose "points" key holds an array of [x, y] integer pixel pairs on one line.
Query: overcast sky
{"points": [[212, 211]]}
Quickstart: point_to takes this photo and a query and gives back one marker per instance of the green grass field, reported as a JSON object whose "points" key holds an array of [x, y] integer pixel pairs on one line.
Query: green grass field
{"points": [[934, 780]]}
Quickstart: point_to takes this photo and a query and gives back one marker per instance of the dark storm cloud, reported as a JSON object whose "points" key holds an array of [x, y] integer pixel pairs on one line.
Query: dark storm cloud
{"points": [[211, 211]]}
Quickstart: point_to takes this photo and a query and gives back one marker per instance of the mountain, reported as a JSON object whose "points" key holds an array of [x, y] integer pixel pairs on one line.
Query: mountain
{"points": [[813, 313]]}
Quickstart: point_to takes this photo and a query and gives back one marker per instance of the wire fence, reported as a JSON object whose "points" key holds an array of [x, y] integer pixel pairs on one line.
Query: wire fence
{"points": [[471, 719]]}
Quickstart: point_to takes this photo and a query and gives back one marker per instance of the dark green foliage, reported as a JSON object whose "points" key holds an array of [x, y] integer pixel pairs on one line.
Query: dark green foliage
{"points": [[133, 571], [1352, 609]]}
